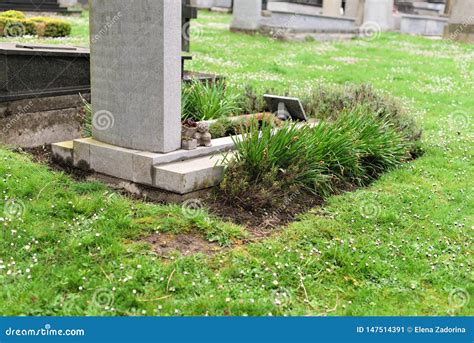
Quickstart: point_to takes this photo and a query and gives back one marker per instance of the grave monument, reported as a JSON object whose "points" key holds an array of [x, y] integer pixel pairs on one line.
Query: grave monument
{"points": [[136, 101], [135, 73]]}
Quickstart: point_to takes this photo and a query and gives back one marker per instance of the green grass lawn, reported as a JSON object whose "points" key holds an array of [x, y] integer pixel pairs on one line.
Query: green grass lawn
{"points": [[403, 246]]}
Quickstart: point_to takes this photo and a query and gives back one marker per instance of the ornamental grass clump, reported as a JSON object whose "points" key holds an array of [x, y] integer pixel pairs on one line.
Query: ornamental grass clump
{"points": [[208, 100], [274, 164], [329, 103]]}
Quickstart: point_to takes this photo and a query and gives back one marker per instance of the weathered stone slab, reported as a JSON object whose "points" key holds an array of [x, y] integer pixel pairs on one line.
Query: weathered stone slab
{"points": [[332, 8], [134, 165], [461, 22], [204, 4], [28, 130], [283, 22], [422, 25], [379, 12], [290, 7], [63, 152], [191, 175], [247, 15]]}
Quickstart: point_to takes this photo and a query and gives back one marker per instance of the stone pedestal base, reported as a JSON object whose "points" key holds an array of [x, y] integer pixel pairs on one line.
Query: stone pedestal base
{"points": [[180, 171]]}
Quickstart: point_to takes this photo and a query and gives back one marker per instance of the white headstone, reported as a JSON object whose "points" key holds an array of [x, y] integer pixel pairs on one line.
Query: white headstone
{"points": [[380, 12], [247, 15]]}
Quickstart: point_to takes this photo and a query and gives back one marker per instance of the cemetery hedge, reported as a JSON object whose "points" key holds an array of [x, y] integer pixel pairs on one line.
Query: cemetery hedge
{"points": [[15, 24]]}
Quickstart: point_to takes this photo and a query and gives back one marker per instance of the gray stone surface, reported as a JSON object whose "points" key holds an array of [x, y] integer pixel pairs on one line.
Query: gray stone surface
{"points": [[223, 3], [133, 165], [355, 9], [136, 73], [34, 122], [247, 15], [461, 22], [117, 162], [293, 8], [422, 25], [286, 22], [462, 12], [205, 4], [332, 8], [63, 152], [379, 12], [191, 175], [82, 153]]}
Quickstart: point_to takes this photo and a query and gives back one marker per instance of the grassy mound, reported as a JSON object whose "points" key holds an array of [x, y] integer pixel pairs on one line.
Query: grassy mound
{"points": [[352, 150]]}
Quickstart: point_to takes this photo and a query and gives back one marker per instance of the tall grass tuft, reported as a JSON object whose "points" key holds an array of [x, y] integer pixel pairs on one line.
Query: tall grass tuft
{"points": [[87, 118], [270, 164], [208, 100]]}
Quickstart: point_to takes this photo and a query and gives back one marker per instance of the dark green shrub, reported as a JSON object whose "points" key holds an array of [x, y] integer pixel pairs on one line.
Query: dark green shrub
{"points": [[51, 27], [217, 129], [14, 27]]}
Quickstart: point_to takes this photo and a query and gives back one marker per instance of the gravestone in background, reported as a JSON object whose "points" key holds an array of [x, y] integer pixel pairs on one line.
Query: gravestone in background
{"points": [[379, 12], [247, 15]]}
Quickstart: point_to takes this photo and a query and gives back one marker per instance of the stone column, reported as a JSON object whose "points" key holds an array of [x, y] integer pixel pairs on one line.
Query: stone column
{"points": [[461, 22], [136, 73], [380, 12], [247, 15], [332, 8]]}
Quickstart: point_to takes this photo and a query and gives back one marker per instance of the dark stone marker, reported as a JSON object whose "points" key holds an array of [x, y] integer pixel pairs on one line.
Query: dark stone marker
{"points": [[286, 108], [30, 71]]}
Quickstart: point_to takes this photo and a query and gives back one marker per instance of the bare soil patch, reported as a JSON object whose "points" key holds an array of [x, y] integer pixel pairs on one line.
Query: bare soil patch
{"points": [[165, 244], [260, 222]]}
